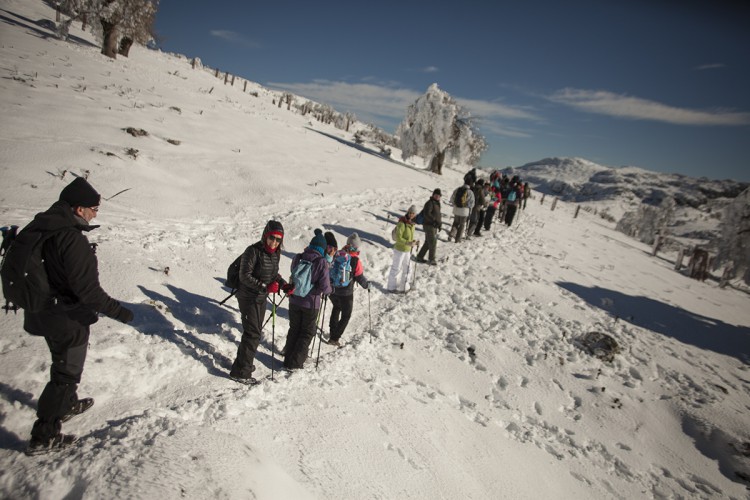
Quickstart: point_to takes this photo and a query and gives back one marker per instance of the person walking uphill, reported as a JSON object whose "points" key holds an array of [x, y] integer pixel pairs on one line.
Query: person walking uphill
{"points": [[345, 270], [64, 322], [432, 224], [398, 278], [303, 309], [463, 202], [259, 276]]}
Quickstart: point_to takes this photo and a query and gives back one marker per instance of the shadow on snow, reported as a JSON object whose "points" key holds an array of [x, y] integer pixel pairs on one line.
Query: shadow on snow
{"points": [[689, 328]]}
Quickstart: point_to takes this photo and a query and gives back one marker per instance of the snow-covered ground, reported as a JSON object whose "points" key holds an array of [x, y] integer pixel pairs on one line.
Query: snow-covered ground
{"points": [[403, 410]]}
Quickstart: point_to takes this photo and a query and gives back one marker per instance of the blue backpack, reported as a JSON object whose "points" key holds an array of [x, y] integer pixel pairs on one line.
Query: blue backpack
{"points": [[302, 278], [341, 269], [512, 195], [419, 219]]}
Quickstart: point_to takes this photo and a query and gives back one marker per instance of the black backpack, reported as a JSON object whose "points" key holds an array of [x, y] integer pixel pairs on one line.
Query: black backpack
{"points": [[233, 274], [24, 277]]}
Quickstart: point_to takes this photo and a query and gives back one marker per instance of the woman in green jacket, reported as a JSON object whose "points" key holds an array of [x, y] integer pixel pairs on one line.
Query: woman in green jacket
{"points": [[398, 278]]}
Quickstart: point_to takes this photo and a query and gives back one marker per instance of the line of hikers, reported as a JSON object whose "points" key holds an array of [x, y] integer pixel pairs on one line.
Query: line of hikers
{"points": [[50, 270], [475, 202]]}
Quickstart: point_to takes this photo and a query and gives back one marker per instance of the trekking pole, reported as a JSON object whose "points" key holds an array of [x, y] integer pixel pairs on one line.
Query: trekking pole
{"points": [[312, 346], [369, 314], [273, 336], [234, 291], [414, 277], [275, 306], [322, 320]]}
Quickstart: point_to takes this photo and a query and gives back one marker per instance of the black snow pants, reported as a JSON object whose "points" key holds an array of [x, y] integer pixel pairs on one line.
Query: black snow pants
{"points": [[302, 325], [68, 350], [253, 310], [341, 311]]}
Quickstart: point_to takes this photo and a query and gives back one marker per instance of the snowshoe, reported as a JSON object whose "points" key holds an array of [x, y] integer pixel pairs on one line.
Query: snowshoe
{"points": [[80, 406], [56, 443], [249, 381]]}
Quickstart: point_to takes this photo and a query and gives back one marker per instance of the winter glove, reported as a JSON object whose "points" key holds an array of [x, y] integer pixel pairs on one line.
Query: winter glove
{"points": [[125, 315], [288, 288], [273, 287]]}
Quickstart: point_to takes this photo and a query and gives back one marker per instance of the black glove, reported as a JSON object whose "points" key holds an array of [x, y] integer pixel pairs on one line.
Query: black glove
{"points": [[125, 315]]}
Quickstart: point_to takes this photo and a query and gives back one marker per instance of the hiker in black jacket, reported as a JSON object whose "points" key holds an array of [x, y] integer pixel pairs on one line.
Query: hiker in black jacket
{"points": [[72, 270], [432, 224], [259, 276]]}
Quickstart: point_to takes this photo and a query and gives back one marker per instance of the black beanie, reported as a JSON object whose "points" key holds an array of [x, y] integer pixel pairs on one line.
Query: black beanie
{"points": [[80, 193], [331, 239]]}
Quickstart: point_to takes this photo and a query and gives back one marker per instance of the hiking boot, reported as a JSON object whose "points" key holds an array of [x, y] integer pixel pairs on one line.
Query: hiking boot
{"points": [[333, 342], [432, 263], [79, 407], [55, 443], [420, 260], [245, 380]]}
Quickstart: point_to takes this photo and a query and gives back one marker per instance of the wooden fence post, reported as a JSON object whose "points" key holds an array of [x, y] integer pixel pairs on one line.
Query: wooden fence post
{"points": [[725, 276], [554, 203], [244, 89], [226, 78], [217, 73], [678, 262], [193, 63], [657, 245], [541, 202], [578, 209]]}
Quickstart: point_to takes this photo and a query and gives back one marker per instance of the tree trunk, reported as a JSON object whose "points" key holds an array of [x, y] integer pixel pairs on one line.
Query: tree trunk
{"points": [[436, 164], [125, 45], [109, 45]]}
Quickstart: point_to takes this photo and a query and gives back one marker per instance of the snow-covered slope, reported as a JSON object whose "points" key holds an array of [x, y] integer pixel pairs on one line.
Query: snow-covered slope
{"points": [[473, 385]]}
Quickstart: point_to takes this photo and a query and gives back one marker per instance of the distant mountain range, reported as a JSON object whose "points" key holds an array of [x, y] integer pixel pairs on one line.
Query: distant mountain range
{"points": [[615, 191]]}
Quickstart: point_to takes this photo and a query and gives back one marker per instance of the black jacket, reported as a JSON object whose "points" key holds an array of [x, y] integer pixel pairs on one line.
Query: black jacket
{"points": [[431, 212], [258, 268], [73, 273]]}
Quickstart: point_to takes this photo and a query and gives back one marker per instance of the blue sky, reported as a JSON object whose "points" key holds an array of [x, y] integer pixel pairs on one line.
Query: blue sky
{"points": [[660, 84]]}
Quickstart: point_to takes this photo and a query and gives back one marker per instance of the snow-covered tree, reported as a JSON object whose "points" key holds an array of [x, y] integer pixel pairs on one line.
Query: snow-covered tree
{"points": [[437, 128], [648, 221], [734, 245], [116, 23]]}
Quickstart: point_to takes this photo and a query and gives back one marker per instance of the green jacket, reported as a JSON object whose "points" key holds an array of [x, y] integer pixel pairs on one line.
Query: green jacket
{"points": [[404, 235]]}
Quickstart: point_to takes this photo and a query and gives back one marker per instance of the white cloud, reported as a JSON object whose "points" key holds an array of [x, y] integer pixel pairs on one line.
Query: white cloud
{"points": [[623, 106], [704, 67], [361, 98], [430, 69], [388, 103], [235, 38]]}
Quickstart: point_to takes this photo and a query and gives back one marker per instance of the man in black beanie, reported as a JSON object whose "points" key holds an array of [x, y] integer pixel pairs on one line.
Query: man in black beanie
{"points": [[73, 275]]}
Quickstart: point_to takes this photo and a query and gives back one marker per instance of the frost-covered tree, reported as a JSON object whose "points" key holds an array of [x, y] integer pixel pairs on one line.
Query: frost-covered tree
{"points": [[137, 24], [437, 128], [734, 246], [116, 23], [648, 221]]}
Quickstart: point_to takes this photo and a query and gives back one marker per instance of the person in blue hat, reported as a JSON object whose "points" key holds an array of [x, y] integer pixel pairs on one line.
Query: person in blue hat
{"points": [[303, 309]]}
